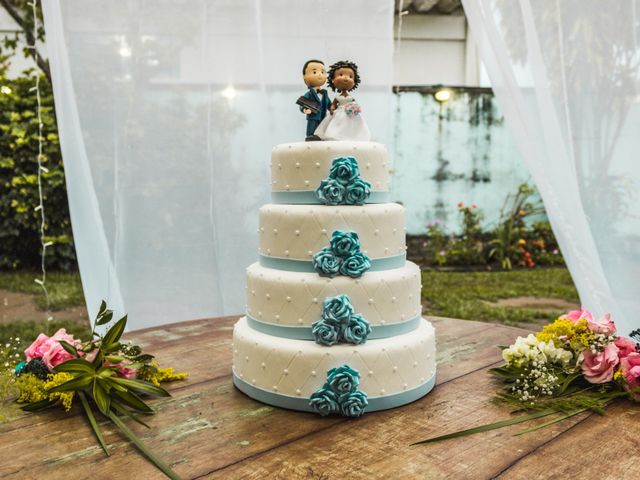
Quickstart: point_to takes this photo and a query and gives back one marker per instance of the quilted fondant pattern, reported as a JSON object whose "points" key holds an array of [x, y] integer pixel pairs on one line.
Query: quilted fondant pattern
{"points": [[299, 231], [298, 367], [291, 298], [302, 166]]}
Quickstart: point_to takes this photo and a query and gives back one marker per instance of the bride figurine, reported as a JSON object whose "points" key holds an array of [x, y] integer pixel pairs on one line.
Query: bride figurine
{"points": [[345, 121]]}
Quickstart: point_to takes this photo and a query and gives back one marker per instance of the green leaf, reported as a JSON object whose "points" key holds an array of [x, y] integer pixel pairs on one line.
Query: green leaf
{"points": [[80, 382], [115, 332], [68, 347], [114, 358], [144, 358], [120, 408], [101, 398], [143, 448], [104, 318], [142, 386], [36, 406], [108, 348], [92, 421], [74, 365], [132, 400], [487, 427], [99, 360], [550, 422], [103, 308]]}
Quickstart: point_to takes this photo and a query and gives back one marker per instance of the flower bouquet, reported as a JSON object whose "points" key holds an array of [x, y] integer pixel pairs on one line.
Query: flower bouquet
{"points": [[103, 374], [572, 365]]}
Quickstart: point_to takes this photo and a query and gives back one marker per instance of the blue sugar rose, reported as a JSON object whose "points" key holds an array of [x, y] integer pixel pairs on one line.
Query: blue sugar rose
{"points": [[345, 170], [337, 310], [357, 192], [357, 330], [326, 263], [324, 402], [345, 244], [355, 265], [325, 333], [343, 379], [330, 192], [353, 404]]}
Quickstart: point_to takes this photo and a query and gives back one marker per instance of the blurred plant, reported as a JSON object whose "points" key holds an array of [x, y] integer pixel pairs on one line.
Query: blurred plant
{"points": [[436, 243], [21, 11], [466, 248], [19, 222], [511, 226]]}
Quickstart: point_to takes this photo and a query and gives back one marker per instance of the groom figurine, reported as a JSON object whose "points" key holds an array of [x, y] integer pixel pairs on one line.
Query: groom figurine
{"points": [[315, 102]]}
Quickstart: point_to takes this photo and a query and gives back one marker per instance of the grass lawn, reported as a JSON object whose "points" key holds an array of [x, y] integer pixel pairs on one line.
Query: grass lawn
{"points": [[65, 288], [468, 295]]}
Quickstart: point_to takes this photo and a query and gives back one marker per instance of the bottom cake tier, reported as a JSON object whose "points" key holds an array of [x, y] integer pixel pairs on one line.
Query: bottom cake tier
{"points": [[288, 373]]}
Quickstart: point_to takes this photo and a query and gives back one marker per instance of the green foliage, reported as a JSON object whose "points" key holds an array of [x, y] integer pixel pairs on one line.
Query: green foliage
{"points": [[507, 247], [514, 242], [19, 221], [94, 375], [467, 248], [468, 295]]}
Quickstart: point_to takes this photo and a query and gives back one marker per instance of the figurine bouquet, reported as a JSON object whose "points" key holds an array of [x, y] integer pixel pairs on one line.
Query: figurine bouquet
{"points": [[104, 375], [575, 364]]}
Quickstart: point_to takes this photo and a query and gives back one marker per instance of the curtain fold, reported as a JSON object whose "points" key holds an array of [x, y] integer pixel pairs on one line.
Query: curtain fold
{"points": [[167, 112], [567, 77]]}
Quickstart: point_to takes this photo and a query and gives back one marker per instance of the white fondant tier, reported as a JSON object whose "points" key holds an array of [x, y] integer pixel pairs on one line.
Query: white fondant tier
{"points": [[296, 299], [302, 166], [298, 368], [300, 231]]}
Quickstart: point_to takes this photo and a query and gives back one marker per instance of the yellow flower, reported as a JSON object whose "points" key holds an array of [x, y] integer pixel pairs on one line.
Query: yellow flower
{"points": [[32, 389], [563, 330], [66, 398], [167, 374], [522, 241]]}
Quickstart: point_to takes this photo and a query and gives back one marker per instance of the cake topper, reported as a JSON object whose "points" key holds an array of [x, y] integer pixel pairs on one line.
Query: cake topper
{"points": [[315, 102], [345, 121]]}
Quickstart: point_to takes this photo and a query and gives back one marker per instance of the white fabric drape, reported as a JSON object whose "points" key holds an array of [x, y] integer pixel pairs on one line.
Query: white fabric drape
{"points": [[167, 112], [566, 75]]}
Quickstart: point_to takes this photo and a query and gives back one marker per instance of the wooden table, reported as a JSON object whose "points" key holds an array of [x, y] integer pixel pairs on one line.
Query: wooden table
{"points": [[210, 430]]}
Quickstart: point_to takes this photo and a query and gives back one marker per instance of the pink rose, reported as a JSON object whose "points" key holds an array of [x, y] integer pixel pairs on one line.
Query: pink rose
{"points": [[630, 366], [50, 350], [577, 315], [598, 367], [603, 325], [625, 346], [38, 348], [124, 370]]}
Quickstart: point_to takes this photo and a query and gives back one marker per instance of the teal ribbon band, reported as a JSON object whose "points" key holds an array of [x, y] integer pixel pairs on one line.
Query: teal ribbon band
{"points": [[306, 266], [304, 333], [309, 197], [302, 404]]}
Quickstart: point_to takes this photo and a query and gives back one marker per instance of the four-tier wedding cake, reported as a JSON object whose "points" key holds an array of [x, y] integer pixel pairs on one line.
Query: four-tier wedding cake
{"points": [[333, 321]]}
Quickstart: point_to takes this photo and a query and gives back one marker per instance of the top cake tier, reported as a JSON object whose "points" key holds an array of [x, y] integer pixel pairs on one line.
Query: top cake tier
{"points": [[300, 167]]}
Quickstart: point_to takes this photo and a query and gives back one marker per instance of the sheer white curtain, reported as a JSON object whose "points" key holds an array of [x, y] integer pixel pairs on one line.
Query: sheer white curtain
{"points": [[167, 112], [567, 76]]}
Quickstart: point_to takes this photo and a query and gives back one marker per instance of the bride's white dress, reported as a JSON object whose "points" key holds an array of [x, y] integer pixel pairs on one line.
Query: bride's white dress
{"points": [[346, 123]]}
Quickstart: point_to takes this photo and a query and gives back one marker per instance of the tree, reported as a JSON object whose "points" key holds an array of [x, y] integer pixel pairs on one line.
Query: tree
{"points": [[22, 13]]}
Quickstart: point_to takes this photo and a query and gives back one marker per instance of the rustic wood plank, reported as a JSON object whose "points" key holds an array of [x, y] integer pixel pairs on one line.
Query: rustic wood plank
{"points": [[604, 447], [208, 425], [377, 446]]}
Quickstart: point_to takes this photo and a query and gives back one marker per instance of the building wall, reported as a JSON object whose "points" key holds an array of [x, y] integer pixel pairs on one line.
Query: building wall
{"points": [[461, 151]]}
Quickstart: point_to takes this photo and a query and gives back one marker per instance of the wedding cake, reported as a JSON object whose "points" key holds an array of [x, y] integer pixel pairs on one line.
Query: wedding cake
{"points": [[333, 319]]}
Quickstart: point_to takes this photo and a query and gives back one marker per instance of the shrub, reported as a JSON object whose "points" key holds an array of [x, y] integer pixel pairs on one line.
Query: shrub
{"points": [[19, 221]]}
